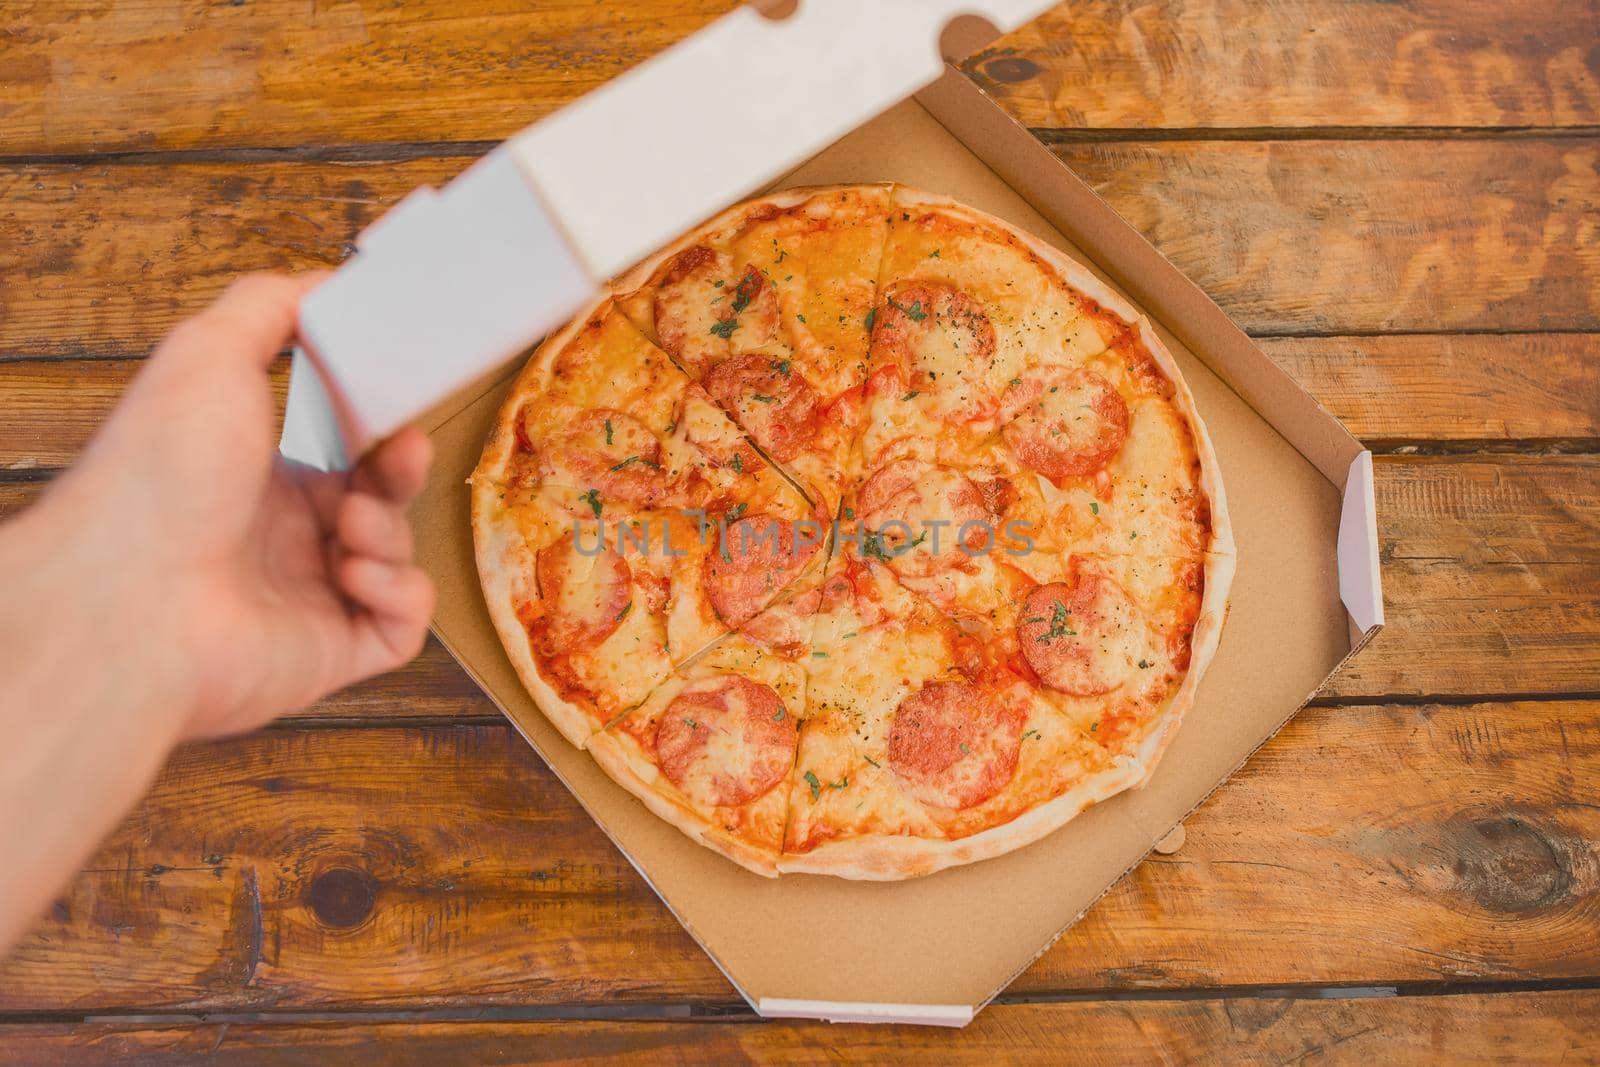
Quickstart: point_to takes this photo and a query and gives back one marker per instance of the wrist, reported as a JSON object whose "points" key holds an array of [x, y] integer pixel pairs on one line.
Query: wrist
{"points": [[89, 619]]}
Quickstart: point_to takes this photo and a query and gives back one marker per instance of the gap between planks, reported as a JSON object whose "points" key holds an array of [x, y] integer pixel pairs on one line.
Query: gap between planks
{"points": [[404, 151], [735, 1010]]}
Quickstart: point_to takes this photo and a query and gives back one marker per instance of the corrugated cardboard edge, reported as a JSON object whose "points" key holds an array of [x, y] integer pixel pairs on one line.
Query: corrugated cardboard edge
{"points": [[1360, 580], [956, 1015]]}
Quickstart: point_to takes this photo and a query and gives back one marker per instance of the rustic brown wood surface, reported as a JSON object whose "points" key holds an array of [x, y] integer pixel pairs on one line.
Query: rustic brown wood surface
{"points": [[303, 869], [1556, 1027], [1398, 201]]}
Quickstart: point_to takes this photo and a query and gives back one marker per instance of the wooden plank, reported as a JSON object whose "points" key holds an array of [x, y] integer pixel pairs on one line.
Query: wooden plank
{"points": [[1491, 569], [89, 77], [1369, 236], [1491, 580], [1289, 237], [53, 407], [1221, 64], [301, 869], [114, 256], [1391, 392], [1549, 1027], [1459, 389], [84, 76]]}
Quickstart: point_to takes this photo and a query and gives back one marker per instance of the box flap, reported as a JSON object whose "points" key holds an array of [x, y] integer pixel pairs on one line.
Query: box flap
{"points": [[729, 109], [1360, 581]]}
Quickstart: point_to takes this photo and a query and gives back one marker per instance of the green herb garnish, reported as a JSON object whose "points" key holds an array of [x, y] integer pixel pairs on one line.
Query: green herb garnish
{"points": [[747, 290], [592, 498], [724, 328], [1058, 624], [816, 786], [915, 311]]}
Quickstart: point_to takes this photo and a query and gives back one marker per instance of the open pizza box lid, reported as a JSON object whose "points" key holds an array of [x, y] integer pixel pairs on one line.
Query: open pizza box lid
{"points": [[1306, 594]]}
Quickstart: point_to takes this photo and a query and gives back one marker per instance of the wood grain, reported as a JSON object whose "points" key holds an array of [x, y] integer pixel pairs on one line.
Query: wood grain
{"points": [[1221, 64], [429, 866], [95, 76], [113, 256], [1458, 390], [1370, 236], [1519, 1028], [89, 76], [1303, 237], [1491, 570]]}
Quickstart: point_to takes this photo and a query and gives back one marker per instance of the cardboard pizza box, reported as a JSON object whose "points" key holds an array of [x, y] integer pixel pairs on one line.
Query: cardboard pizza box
{"points": [[1306, 594]]}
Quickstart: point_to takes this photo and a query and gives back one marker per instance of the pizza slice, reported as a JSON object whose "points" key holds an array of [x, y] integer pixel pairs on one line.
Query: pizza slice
{"points": [[964, 303], [622, 523], [769, 307], [712, 748], [914, 755]]}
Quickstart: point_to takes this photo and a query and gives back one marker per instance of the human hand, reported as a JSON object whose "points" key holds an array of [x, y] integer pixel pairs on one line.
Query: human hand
{"points": [[273, 583]]}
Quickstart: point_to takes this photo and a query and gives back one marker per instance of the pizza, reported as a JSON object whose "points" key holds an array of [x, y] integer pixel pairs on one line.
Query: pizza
{"points": [[857, 533]]}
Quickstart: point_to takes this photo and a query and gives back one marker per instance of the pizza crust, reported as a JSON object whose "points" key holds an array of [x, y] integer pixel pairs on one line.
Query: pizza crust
{"points": [[863, 857], [885, 858], [638, 777]]}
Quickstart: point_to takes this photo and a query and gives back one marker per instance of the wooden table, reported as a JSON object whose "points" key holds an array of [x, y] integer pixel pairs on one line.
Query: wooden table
{"points": [[1400, 201]]}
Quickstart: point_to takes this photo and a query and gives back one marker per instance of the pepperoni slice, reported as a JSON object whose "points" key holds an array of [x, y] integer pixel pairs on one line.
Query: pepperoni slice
{"points": [[725, 741], [1082, 639], [610, 452], [786, 628], [953, 745], [755, 558], [769, 398], [925, 505], [585, 597], [942, 342], [705, 310], [1070, 423]]}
